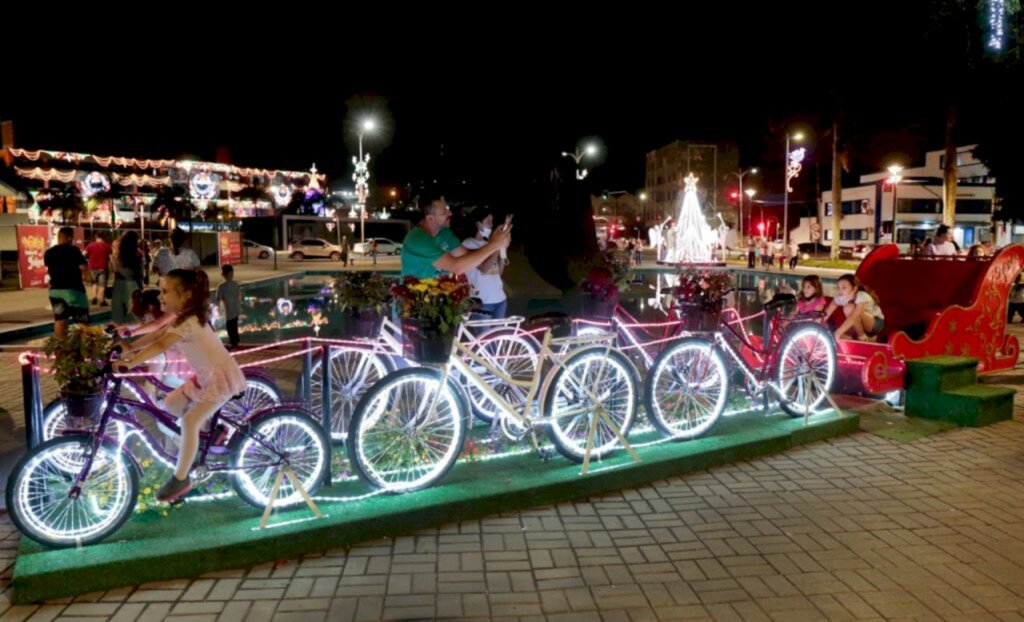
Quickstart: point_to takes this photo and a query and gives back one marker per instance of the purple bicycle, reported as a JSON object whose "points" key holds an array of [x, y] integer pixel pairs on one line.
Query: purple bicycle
{"points": [[81, 486]]}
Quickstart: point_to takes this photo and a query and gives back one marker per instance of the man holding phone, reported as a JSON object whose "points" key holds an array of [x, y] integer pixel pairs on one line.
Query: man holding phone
{"points": [[431, 247]]}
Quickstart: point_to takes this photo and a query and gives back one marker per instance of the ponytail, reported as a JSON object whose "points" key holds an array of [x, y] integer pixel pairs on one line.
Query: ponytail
{"points": [[198, 303]]}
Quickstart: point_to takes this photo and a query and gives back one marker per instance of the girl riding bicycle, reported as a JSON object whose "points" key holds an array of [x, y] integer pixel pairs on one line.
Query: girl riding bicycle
{"points": [[186, 293]]}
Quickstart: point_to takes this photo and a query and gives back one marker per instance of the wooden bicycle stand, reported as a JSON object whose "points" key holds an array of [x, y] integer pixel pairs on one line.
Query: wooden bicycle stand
{"points": [[287, 470]]}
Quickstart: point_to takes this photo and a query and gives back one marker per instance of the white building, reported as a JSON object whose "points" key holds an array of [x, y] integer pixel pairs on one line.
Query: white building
{"points": [[868, 208]]}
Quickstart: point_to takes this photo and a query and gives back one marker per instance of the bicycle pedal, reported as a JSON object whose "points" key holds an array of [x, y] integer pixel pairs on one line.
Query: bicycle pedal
{"points": [[546, 454]]}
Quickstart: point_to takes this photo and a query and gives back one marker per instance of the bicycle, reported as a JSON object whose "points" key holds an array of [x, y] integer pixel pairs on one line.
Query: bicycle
{"points": [[688, 385], [79, 488], [407, 433], [354, 369]]}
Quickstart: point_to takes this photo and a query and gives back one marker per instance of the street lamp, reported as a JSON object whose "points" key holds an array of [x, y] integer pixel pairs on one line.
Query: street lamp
{"points": [[740, 174], [794, 162], [577, 155], [362, 176], [750, 192], [894, 178]]}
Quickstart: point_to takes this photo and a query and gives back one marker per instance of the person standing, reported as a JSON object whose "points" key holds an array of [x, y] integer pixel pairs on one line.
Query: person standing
{"points": [[485, 279], [127, 276], [229, 294], [68, 273], [98, 253]]}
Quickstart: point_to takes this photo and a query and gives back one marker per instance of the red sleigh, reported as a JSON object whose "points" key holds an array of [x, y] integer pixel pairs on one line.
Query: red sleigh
{"points": [[932, 306]]}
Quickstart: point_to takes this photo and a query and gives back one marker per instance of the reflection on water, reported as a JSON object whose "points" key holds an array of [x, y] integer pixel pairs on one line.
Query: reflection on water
{"points": [[300, 307]]}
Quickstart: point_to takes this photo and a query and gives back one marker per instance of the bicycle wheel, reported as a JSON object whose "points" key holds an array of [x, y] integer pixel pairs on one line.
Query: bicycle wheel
{"points": [[687, 389], [591, 382], [805, 368], [40, 495], [513, 352], [353, 371], [258, 455], [406, 434]]}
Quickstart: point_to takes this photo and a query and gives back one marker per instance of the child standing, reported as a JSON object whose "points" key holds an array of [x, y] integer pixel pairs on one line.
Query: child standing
{"points": [[217, 378], [229, 294]]}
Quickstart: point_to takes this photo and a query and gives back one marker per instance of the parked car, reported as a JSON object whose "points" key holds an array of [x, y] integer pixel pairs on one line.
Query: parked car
{"points": [[262, 251], [860, 251], [384, 247], [814, 249], [314, 248]]}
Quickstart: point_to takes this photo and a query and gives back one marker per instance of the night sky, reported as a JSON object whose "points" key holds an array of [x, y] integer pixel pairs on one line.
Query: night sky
{"points": [[505, 101]]}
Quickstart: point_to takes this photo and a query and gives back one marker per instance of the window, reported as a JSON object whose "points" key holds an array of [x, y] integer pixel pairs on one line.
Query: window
{"points": [[852, 234], [919, 206], [973, 206], [856, 206], [828, 235]]}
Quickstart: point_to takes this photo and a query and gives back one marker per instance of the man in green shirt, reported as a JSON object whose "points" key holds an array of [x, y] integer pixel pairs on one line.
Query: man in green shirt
{"points": [[431, 247]]}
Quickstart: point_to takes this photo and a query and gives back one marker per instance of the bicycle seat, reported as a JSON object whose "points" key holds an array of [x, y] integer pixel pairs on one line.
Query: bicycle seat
{"points": [[559, 323]]}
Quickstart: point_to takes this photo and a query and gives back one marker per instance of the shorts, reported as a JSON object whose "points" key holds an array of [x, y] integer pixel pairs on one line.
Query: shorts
{"points": [[877, 328], [73, 315], [99, 277]]}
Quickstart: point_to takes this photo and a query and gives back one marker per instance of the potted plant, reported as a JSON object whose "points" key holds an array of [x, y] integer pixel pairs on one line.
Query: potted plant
{"points": [[78, 364], [363, 298], [699, 298], [603, 285], [431, 312]]}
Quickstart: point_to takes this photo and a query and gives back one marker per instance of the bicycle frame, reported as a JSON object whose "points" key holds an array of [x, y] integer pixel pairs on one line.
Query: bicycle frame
{"points": [[759, 374], [534, 385], [114, 399], [386, 344]]}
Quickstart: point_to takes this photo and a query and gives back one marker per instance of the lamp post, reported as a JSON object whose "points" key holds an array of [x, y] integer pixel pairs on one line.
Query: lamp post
{"points": [[577, 155], [362, 176], [750, 192], [740, 174], [794, 162], [894, 178]]}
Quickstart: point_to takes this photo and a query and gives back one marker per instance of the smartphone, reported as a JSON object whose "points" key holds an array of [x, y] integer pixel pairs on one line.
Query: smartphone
{"points": [[508, 222]]}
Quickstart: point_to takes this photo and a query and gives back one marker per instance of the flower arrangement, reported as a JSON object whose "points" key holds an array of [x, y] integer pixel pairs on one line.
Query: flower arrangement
{"points": [[706, 287], [437, 304]]}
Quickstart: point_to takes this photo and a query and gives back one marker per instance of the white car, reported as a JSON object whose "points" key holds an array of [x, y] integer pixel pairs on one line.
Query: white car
{"points": [[314, 248], [860, 251], [253, 249], [384, 247]]}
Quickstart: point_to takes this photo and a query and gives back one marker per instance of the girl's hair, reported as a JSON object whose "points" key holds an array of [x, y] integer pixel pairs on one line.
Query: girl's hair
{"points": [[857, 285], [815, 282], [150, 299], [198, 304]]}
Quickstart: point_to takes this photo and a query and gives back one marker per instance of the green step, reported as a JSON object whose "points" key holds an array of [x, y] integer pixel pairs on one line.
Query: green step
{"points": [[941, 373], [945, 388]]}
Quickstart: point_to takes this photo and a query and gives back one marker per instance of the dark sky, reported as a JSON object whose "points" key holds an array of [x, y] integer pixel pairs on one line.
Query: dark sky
{"points": [[503, 96]]}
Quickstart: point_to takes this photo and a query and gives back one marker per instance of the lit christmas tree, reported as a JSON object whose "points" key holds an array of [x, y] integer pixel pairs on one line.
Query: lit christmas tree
{"points": [[694, 238]]}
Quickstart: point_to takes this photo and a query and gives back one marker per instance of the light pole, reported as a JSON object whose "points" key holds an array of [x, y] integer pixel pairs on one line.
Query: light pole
{"points": [[362, 176], [750, 192], [740, 174], [577, 155], [894, 179], [793, 165]]}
